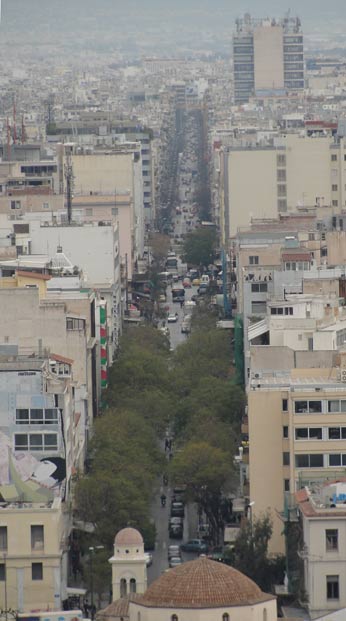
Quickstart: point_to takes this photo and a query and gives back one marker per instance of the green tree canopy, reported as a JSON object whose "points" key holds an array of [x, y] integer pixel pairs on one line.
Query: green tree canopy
{"points": [[199, 246], [205, 470]]}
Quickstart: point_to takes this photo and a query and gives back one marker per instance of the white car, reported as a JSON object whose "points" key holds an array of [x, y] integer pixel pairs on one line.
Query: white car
{"points": [[172, 318]]}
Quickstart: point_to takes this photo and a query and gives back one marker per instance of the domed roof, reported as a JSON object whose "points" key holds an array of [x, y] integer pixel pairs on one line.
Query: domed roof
{"points": [[202, 583], [128, 537]]}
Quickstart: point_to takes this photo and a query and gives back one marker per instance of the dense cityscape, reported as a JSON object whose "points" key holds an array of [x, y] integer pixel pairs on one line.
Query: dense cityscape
{"points": [[172, 295]]}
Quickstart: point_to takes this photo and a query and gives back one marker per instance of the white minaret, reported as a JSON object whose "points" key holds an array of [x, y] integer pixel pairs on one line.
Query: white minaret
{"points": [[129, 567]]}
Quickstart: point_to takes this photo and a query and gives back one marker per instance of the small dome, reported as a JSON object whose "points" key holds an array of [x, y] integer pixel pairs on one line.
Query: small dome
{"points": [[128, 537], [203, 583]]}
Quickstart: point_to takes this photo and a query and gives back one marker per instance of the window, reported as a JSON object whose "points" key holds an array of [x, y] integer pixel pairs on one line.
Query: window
{"points": [[334, 187], [88, 211], [16, 205], [281, 174], [281, 160], [174, 618], [332, 587], [285, 431], [37, 537], [286, 485], [225, 616], [282, 189], [258, 308], [331, 539], [123, 587], [3, 538], [285, 405], [36, 571], [37, 416], [115, 211], [335, 203], [74, 324], [308, 433], [336, 433], [309, 461], [259, 287], [285, 459], [337, 459], [45, 205], [36, 442], [337, 405], [308, 407], [282, 204], [334, 157], [253, 260], [132, 585], [2, 572]]}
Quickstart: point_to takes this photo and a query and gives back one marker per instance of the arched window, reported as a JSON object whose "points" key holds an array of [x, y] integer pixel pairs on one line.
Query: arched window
{"points": [[138, 616], [265, 616], [225, 616], [123, 587], [132, 585], [174, 618]]}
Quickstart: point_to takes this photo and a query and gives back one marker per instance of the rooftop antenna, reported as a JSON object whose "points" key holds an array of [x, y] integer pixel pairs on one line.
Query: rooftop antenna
{"points": [[68, 170], [8, 140], [14, 122]]}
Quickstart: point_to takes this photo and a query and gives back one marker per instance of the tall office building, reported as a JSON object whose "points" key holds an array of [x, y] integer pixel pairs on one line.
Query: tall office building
{"points": [[268, 57]]}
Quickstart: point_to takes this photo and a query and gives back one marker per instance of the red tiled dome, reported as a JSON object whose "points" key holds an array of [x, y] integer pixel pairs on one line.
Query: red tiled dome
{"points": [[128, 537], [202, 583]]}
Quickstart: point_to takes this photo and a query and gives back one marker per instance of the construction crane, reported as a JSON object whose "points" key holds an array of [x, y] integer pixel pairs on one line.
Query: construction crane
{"points": [[68, 172]]}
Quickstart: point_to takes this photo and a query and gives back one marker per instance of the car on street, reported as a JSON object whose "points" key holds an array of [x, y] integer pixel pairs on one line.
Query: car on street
{"points": [[175, 520], [176, 531], [148, 559], [202, 289], [177, 509], [187, 283], [196, 282], [175, 561], [164, 330], [173, 550], [172, 318], [195, 545]]}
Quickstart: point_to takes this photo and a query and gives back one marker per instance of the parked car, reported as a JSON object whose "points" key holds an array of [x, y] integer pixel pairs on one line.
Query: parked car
{"points": [[172, 318], [175, 561], [175, 520], [177, 509], [164, 330], [195, 545], [173, 550], [216, 554], [148, 559], [176, 531]]}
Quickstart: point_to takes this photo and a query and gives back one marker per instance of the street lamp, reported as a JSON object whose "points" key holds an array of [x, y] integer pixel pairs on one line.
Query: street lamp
{"points": [[92, 550]]}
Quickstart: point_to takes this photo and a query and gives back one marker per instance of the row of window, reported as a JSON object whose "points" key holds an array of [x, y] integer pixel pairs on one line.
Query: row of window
{"points": [[35, 441], [37, 416], [281, 310], [294, 266], [260, 287], [75, 324], [36, 571], [317, 433], [316, 460], [312, 406], [36, 535]]}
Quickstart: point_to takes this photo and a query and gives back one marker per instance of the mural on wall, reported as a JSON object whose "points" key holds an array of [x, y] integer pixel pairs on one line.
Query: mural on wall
{"points": [[25, 478]]}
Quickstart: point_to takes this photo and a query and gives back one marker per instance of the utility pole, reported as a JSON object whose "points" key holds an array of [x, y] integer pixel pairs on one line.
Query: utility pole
{"points": [[68, 170]]}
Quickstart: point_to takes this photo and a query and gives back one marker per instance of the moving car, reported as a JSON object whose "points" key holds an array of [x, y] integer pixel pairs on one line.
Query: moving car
{"points": [[173, 550], [175, 561], [177, 509], [195, 545], [187, 283], [196, 282], [172, 318]]}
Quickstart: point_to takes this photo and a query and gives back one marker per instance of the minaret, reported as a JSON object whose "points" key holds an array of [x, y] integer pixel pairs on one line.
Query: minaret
{"points": [[129, 567]]}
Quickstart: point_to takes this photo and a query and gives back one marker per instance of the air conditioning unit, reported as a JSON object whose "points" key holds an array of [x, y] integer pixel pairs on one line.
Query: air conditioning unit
{"points": [[343, 376]]}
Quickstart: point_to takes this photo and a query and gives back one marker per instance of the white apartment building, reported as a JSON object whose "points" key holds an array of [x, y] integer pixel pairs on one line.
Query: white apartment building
{"points": [[322, 515]]}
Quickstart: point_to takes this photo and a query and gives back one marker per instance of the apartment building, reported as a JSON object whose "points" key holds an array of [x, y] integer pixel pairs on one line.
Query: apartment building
{"points": [[268, 57], [321, 513], [40, 451]]}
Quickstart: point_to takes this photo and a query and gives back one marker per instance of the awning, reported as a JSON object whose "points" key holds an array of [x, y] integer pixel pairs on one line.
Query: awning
{"points": [[76, 591]]}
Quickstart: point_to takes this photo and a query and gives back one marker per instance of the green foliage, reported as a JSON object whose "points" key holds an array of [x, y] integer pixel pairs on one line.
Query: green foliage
{"points": [[250, 554], [200, 246], [205, 470]]}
